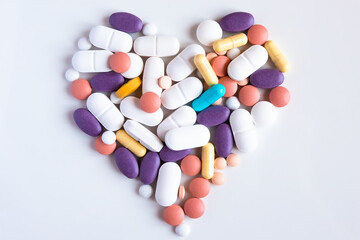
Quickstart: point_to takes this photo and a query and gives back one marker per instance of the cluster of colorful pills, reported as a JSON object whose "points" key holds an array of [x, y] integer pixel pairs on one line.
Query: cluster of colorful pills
{"points": [[231, 79]]}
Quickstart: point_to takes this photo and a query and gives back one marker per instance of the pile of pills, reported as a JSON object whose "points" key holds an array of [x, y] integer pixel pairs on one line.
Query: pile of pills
{"points": [[209, 98]]}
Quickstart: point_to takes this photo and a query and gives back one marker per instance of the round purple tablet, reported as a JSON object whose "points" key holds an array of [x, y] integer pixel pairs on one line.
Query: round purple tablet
{"points": [[126, 162], [149, 167], [126, 22], [87, 122], [237, 22], [267, 78], [107, 81], [213, 116], [223, 140], [168, 155]]}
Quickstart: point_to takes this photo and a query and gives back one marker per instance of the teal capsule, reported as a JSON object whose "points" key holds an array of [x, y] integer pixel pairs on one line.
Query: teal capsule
{"points": [[208, 97]]}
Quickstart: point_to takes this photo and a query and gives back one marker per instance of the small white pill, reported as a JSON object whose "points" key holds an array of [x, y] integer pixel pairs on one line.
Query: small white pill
{"points": [[232, 103], [150, 29], [183, 230], [114, 98], [233, 53], [108, 137], [264, 114], [71, 75], [84, 43], [208, 31], [145, 191]]}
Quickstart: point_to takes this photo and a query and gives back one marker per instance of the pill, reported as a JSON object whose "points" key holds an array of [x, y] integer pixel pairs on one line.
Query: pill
{"points": [[222, 53], [91, 61], [130, 143], [207, 160], [114, 98], [84, 43], [81, 89], [277, 56], [218, 102], [187, 137], [267, 78], [264, 114], [150, 102], [219, 65], [208, 31], [104, 149], [213, 116], [279, 96], [150, 29], [233, 53], [231, 42], [194, 207], [191, 165], [199, 187], [208, 97], [128, 87], [173, 215], [181, 93], [106, 82], [249, 95], [183, 64], [145, 191], [108, 137], [181, 117], [257, 34], [168, 183], [210, 56], [105, 111], [110, 39], [126, 22], [87, 122], [220, 163], [205, 69], [149, 167], [168, 155], [230, 85], [164, 82], [233, 160], [232, 103], [71, 75], [243, 82], [181, 192], [183, 230], [143, 135], [153, 70], [120, 62], [130, 107], [126, 162], [156, 46], [218, 178], [136, 66], [237, 22], [223, 140]]}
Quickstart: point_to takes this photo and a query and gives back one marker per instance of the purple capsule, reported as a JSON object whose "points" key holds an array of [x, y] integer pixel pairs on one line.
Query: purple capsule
{"points": [[223, 140], [107, 82], [168, 155], [149, 167], [126, 22], [237, 22], [213, 116], [126, 162], [267, 78], [87, 122]]}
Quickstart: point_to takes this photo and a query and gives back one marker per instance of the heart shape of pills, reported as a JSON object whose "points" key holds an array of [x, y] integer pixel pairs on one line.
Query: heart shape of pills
{"points": [[121, 117]]}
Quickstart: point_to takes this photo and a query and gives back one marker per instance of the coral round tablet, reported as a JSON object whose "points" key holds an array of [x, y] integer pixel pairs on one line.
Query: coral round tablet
{"points": [[220, 163], [173, 215], [199, 187], [279, 96], [150, 102], [219, 65], [230, 85], [120, 62], [257, 34], [194, 207], [104, 149], [81, 89], [218, 178], [249, 95], [191, 165]]}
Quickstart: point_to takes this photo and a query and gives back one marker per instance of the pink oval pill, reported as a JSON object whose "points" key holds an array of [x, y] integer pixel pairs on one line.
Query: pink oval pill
{"points": [[230, 85], [81, 89], [219, 65], [103, 148], [257, 34], [249, 95], [119, 62], [150, 102]]}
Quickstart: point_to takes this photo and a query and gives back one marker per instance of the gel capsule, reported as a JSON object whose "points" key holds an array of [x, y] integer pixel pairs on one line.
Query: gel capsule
{"points": [[127, 141], [207, 160], [205, 69], [231, 42], [277, 56], [208, 97], [168, 184]]}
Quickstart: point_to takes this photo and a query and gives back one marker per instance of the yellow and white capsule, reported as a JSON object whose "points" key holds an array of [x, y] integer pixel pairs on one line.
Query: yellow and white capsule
{"points": [[205, 69], [231, 42], [127, 141], [207, 160], [277, 56], [128, 87]]}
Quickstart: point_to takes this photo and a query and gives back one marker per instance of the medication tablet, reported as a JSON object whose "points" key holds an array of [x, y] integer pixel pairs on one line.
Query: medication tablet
{"points": [[205, 69], [108, 137], [233, 53], [136, 66], [279, 96], [107, 82], [267, 78], [233, 160], [126, 162], [130, 143], [114, 98], [153, 70], [150, 29], [150, 102], [87, 122], [173, 215], [104, 149], [191, 165], [257, 34], [145, 191], [207, 160], [156, 46], [91, 61], [84, 44], [81, 89], [168, 183], [277, 56], [149, 167], [194, 207], [181, 192], [183, 230], [218, 178], [72, 75], [237, 22], [128, 87], [208, 31], [168, 155], [220, 163], [213, 116], [230, 85], [223, 140], [110, 39], [187, 137], [199, 187], [249, 95], [232, 103], [264, 114], [125, 22], [119, 62], [235, 41], [219, 65], [164, 82]]}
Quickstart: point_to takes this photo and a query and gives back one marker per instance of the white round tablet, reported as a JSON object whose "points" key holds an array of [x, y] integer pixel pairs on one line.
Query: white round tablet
{"points": [[114, 98], [71, 75], [149, 29], [264, 114], [232, 103], [183, 230], [145, 191], [84, 43], [208, 31], [108, 137], [233, 53]]}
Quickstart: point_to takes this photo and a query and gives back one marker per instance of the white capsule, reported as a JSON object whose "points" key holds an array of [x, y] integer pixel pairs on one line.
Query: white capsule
{"points": [[136, 66], [156, 46], [233, 53], [232, 103], [153, 70], [114, 98], [92, 61], [143, 135], [145, 191], [187, 137], [130, 107], [71, 75], [167, 184], [183, 230], [84, 44], [108, 137], [181, 93], [110, 39], [264, 114], [243, 130], [246, 141], [208, 31], [149, 29], [105, 111], [247, 62], [183, 64]]}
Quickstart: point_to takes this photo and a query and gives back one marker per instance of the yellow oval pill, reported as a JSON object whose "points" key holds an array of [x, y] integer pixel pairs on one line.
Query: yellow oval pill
{"points": [[277, 56], [128, 87], [205, 69], [127, 141]]}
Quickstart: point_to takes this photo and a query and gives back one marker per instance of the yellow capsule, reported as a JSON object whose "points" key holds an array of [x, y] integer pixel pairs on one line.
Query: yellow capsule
{"points": [[127, 141], [205, 69], [231, 42], [277, 56], [128, 87], [207, 161]]}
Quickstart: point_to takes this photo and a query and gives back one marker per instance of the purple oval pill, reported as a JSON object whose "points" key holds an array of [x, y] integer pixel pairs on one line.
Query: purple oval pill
{"points": [[168, 155], [126, 22], [107, 81], [223, 140], [237, 22], [213, 116], [126, 162], [267, 78], [149, 167], [87, 122]]}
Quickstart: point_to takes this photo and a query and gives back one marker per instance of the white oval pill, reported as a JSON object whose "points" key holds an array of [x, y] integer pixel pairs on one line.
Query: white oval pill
{"points": [[110, 39], [156, 46], [264, 114], [92, 61], [84, 44], [232, 103], [243, 130], [130, 107], [167, 184], [108, 137], [233, 53], [145, 191], [247, 62], [71, 75], [208, 31], [183, 64], [187, 137], [153, 70], [136, 66], [241, 120], [181, 93], [149, 29], [246, 141]]}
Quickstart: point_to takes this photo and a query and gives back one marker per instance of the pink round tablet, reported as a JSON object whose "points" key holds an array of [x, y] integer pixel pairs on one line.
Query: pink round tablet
{"points": [[199, 187], [191, 165], [221, 53], [279, 96], [218, 102], [81, 89], [219, 65], [230, 85], [220, 163], [120, 62], [218, 178], [164, 82], [257, 34], [194, 207], [243, 82], [249, 95], [103, 148], [233, 160], [210, 56], [150, 102], [173, 215]]}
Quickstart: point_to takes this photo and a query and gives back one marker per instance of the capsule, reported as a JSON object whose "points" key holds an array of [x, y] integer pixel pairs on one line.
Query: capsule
{"points": [[168, 184], [277, 56], [231, 42], [208, 97], [128, 87], [207, 161], [127, 141], [205, 69]]}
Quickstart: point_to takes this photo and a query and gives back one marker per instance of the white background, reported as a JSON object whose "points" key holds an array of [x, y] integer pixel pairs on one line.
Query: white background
{"points": [[301, 183]]}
